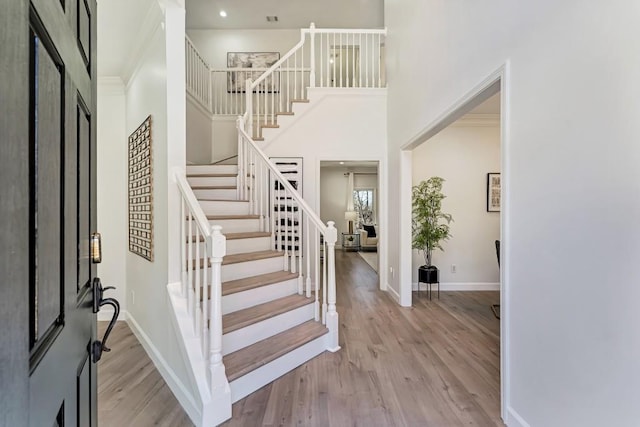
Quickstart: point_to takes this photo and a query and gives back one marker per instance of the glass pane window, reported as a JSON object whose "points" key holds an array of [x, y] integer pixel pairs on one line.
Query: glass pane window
{"points": [[363, 200]]}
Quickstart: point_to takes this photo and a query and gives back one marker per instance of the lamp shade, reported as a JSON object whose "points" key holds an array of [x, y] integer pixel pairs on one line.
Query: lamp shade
{"points": [[351, 215]]}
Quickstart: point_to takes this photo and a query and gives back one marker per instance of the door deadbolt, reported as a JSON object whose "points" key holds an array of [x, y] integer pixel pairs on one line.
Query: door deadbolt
{"points": [[96, 248]]}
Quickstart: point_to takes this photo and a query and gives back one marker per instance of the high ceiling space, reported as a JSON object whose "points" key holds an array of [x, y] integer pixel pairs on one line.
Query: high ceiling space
{"points": [[252, 14]]}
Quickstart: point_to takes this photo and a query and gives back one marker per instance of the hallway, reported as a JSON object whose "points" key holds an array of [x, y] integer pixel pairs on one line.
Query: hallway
{"points": [[436, 364]]}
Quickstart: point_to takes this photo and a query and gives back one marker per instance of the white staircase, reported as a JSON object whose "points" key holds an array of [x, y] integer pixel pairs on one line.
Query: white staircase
{"points": [[257, 296], [248, 310]]}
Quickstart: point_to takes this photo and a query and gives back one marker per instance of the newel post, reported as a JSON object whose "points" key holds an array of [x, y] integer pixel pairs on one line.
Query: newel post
{"points": [[332, 315], [312, 54], [219, 385]]}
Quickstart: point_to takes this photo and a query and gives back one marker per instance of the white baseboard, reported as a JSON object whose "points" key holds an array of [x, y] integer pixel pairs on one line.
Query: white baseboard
{"points": [[105, 314], [514, 419], [455, 286], [394, 294], [177, 387]]}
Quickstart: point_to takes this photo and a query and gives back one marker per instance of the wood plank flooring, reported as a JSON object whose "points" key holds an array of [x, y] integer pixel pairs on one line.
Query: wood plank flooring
{"points": [[436, 364]]}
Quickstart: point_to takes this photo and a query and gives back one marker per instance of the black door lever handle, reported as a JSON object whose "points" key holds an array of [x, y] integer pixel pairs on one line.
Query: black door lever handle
{"points": [[99, 346]]}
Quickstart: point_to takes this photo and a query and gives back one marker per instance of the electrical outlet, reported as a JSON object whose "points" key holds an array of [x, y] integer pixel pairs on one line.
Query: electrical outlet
{"points": [[392, 272], [133, 298], [453, 268]]}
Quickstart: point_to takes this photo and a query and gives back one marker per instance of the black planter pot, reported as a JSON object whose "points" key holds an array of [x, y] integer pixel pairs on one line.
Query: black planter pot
{"points": [[428, 274]]}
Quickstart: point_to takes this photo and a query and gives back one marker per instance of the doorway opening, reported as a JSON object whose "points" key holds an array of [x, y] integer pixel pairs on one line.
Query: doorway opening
{"points": [[495, 87], [349, 195]]}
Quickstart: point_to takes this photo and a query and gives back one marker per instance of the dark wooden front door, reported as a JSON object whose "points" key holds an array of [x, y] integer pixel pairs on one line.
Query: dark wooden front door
{"points": [[47, 212]]}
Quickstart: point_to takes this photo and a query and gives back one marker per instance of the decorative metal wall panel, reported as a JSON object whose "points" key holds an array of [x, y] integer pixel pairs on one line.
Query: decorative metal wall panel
{"points": [[141, 191]]}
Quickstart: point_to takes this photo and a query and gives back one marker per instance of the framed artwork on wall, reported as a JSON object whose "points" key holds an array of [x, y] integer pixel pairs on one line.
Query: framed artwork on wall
{"points": [[247, 61], [141, 191], [493, 192]]}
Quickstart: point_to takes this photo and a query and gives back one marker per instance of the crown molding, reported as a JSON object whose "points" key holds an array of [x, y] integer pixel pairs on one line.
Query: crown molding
{"points": [[111, 85], [478, 120]]}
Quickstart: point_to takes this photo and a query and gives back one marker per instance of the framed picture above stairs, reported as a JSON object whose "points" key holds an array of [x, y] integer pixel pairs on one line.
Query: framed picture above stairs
{"points": [[286, 210]]}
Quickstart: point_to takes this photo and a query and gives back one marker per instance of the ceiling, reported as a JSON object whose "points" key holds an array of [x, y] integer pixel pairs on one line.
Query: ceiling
{"points": [[251, 14]]}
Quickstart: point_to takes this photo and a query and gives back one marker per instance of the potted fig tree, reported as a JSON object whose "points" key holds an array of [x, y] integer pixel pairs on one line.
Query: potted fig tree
{"points": [[430, 226]]}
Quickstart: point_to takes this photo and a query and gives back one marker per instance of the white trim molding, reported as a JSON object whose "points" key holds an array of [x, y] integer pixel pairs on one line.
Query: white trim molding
{"points": [[394, 294], [105, 315], [514, 419]]}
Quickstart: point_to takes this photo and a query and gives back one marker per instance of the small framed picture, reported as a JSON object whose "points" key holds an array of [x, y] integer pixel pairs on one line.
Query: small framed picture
{"points": [[493, 192]]}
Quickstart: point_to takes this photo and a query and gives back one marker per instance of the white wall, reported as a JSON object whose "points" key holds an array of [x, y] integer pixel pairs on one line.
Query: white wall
{"points": [[570, 176], [156, 88], [333, 193], [463, 155], [199, 133], [112, 190]]}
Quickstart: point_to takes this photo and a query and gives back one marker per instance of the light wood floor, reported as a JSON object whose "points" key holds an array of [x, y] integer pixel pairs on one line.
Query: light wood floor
{"points": [[436, 364]]}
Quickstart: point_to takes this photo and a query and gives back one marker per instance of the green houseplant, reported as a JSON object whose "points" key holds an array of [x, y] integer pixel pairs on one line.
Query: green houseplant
{"points": [[430, 226]]}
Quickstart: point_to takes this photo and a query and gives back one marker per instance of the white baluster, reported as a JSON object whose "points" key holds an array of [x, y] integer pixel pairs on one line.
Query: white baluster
{"points": [[286, 230], [324, 282], [361, 56], [378, 56], [205, 297], [249, 107], [307, 247], [298, 244], [199, 266], [316, 249], [273, 215], [190, 264], [183, 251], [332, 315]]}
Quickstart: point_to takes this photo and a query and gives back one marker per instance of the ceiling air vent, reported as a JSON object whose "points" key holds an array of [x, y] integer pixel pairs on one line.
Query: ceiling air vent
{"points": [[272, 18]]}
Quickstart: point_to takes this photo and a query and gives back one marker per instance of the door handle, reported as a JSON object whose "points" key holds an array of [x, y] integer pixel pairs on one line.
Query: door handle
{"points": [[99, 346]]}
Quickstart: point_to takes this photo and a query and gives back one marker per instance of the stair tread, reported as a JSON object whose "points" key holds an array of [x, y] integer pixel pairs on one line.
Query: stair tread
{"points": [[285, 113], [211, 175], [259, 138], [248, 316], [247, 283], [250, 256], [246, 235], [213, 187], [299, 100], [270, 125], [250, 358], [221, 217]]}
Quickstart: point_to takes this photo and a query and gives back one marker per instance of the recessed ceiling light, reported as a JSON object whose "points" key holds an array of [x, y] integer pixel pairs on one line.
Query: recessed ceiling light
{"points": [[342, 163], [223, 13]]}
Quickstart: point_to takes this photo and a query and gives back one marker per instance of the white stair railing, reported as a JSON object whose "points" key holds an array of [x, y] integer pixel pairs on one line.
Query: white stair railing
{"points": [[328, 58], [324, 57], [307, 244], [198, 75], [202, 248]]}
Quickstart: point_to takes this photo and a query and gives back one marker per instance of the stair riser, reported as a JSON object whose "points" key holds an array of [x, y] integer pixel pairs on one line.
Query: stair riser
{"points": [[253, 244], [251, 297], [259, 331], [217, 180], [262, 376], [237, 225], [221, 194], [219, 207], [239, 246], [243, 270], [212, 169]]}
